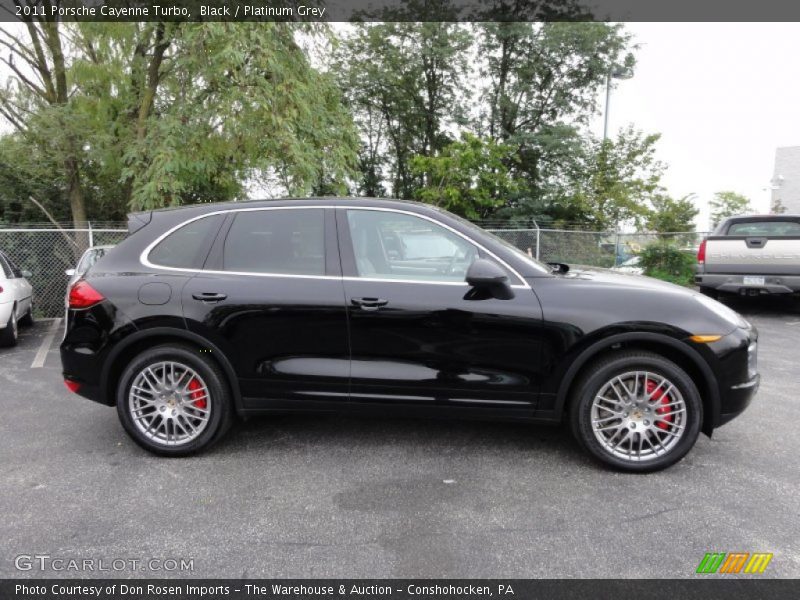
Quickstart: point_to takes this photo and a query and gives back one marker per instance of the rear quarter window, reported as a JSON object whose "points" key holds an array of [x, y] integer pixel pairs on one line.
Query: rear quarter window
{"points": [[187, 246], [766, 229]]}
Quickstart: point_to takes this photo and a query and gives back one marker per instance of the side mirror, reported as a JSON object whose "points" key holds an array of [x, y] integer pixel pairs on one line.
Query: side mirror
{"points": [[486, 276], [27, 274], [69, 272], [559, 268]]}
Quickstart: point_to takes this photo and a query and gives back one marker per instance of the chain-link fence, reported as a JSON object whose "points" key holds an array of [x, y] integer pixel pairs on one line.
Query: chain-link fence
{"points": [[47, 252], [592, 248]]}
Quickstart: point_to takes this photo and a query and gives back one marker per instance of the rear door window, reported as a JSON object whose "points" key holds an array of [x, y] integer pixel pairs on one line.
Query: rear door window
{"points": [[279, 241]]}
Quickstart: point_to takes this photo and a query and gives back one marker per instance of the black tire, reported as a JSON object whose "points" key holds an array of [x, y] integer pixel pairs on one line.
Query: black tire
{"points": [[27, 320], [9, 335], [220, 401], [600, 373]]}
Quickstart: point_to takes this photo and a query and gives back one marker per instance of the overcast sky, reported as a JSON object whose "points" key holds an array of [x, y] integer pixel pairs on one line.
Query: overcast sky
{"points": [[723, 96]]}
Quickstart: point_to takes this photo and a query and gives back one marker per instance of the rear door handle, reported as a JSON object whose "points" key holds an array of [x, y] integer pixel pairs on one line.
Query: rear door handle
{"points": [[369, 303], [209, 297]]}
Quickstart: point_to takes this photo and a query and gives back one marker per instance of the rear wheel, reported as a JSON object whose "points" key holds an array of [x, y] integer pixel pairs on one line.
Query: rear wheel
{"points": [[637, 411], [27, 319], [9, 335], [172, 401]]}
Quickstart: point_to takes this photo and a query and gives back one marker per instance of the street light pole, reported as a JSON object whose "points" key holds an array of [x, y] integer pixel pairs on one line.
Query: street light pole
{"points": [[608, 103], [614, 73]]}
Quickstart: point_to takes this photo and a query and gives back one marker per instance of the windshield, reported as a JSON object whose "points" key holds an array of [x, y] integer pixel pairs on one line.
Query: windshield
{"points": [[766, 228], [539, 266]]}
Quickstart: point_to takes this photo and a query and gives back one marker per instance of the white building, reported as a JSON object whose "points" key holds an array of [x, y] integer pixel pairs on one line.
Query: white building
{"points": [[786, 181]]}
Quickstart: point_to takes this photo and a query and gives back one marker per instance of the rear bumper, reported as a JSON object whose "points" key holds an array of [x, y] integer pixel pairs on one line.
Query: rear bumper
{"points": [[5, 313], [734, 283]]}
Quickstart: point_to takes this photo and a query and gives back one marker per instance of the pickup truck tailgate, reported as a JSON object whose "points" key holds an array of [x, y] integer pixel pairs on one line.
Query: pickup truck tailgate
{"points": [[762, 255]]}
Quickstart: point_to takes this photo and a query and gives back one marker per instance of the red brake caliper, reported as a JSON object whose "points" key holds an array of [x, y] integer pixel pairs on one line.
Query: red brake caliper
{"points": [[665, 412], [196, 393]]}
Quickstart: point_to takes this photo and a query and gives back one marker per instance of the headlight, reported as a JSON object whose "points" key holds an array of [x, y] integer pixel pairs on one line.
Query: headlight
{"points": [[722, 311], [752, 360]]}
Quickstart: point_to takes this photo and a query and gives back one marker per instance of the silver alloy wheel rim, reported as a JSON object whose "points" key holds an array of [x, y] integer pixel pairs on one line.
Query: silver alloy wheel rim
{"points": [[637, 425], [163, 406]]}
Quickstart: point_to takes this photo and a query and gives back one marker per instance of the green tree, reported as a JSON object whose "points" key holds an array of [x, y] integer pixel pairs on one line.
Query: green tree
{"points": [[671, 215], [405, 84], [610, 182], [468, 177], [541, 88], [728, 204], [168, 113], [36, 99]]}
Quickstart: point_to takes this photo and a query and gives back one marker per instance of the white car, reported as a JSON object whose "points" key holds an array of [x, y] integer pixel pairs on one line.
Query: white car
{"points": [[632, 266], [16, 300], [91, 256]]}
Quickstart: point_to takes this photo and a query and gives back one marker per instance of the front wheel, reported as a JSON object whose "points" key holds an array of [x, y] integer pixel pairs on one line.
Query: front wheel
{"points": [[172, 401], [636, 411]]}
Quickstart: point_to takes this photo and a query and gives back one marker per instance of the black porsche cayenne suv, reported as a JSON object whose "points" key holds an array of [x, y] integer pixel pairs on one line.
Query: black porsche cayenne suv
{"points": [[210, 311]]}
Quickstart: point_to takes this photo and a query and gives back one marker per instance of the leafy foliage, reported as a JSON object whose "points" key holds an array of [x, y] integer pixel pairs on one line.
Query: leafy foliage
{"points": [[488, 119], [728, 204], [665, 261], [468, 177], [671, 215], [159, 114], [610, 182], [405, 84]]}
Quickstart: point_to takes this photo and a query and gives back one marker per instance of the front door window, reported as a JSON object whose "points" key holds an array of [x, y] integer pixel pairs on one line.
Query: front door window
{"points": [[391, 245]]}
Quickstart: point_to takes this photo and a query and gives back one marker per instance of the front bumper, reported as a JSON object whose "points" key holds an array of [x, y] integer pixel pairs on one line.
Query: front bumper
{"points": [[737, 399], [736, 370], [734, 283]]}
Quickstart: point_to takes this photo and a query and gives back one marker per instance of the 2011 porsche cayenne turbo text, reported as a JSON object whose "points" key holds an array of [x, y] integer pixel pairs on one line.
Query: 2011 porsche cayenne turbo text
{"points": [[211, 311]]}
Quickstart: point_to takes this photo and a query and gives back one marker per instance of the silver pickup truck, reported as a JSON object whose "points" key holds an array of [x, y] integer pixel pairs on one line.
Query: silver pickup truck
{"points": [[751, 255]]}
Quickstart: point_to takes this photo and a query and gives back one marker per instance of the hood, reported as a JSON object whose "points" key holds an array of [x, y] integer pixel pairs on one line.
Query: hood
{"points": [[627, 280]]}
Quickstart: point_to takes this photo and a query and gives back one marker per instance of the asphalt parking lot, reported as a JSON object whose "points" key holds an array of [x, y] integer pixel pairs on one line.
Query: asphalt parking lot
{"points": [[300, 496]]}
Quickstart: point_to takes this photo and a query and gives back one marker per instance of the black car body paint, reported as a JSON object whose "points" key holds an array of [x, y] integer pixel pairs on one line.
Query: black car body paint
{"points": [[324, 341]]}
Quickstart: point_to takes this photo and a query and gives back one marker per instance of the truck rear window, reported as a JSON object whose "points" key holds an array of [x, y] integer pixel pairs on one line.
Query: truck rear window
{"points": [[766, 228]]}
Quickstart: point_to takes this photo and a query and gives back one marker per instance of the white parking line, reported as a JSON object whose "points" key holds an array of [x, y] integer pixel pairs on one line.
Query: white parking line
{"points": [[41, 355]]}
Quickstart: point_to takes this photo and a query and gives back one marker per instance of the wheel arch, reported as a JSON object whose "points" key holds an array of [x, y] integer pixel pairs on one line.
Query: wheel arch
{"points": [[135, 343], [676, 351]]}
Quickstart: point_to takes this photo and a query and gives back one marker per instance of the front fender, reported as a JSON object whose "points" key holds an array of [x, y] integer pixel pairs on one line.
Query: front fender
{"points": [[654, 341]]}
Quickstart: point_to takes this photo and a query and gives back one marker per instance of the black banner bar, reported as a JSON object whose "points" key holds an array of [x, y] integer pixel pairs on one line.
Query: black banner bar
{"points": [[400, 10], [732, 588]]}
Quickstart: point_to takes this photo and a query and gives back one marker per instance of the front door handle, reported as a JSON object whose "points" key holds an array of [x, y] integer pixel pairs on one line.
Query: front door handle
{"points": [[209, 297], [369, 303]]}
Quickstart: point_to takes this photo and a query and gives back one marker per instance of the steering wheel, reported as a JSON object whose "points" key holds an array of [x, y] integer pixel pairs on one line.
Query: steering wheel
{"points": [[469, 255]]}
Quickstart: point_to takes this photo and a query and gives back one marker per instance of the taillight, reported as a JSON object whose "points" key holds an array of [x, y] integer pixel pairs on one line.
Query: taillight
{"points": [[701, 252], [82, 295], [72, 386]]}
